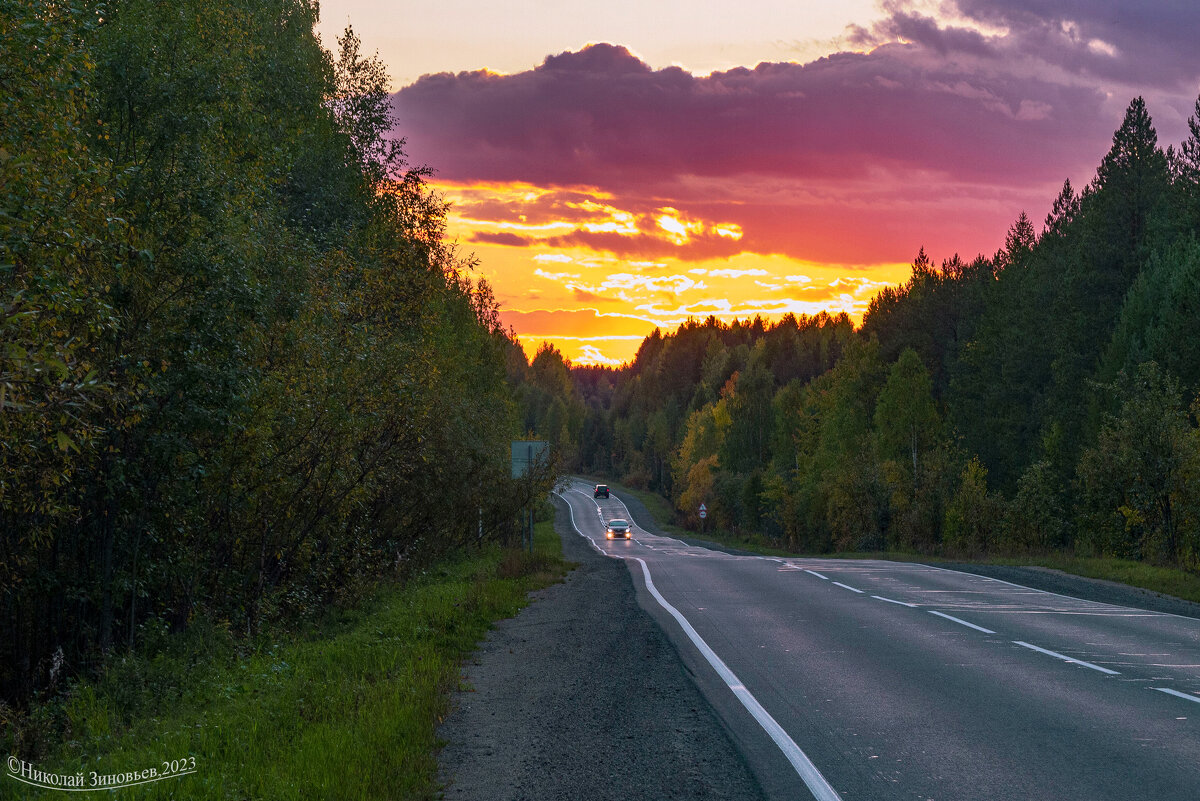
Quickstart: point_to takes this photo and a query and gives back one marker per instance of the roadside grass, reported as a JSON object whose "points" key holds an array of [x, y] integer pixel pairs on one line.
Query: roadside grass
{"points": [[1166, 580], [344, 710]]}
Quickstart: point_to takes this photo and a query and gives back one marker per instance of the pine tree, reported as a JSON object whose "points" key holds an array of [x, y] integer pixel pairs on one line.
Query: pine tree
{"points": [[1063, 212]]}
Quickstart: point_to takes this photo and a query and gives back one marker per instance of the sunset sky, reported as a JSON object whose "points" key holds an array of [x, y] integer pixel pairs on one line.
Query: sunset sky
{"points": [[616, 166]]}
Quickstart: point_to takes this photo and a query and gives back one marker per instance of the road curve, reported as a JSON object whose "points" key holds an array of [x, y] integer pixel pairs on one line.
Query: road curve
{"points": [[878, 680]]}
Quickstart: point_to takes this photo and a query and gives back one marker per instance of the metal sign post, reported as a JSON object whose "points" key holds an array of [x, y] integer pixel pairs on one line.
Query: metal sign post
{"points": [[526, 454], [703, 514]]}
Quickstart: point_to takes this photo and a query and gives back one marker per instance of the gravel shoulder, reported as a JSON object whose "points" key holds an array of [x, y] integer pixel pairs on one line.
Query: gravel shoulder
{"points": [[581, 696]]}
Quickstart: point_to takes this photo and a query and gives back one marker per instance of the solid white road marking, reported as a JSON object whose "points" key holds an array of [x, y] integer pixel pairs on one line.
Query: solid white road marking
{"points": [[804, 767], [571, 509], [1066, 658], [808, 772], [890, 601], [815, 573], [1176, 693], [848, 587], [962, 622]]}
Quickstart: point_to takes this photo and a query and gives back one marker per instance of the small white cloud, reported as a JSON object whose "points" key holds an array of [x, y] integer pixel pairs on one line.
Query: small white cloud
{"points": [[731, 273], [557, 258], [592, 355], [666, 283], [540, 273]]}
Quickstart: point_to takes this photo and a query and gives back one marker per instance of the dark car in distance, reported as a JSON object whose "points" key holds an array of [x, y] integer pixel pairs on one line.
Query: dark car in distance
{"points": [[618, 529], [601, 491]]}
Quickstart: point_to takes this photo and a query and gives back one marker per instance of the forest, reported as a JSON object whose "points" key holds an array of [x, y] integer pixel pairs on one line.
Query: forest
{"points": [[243, 375], [1040, 399]]}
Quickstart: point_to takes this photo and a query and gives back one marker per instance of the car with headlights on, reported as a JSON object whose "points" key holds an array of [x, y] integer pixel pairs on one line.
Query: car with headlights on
{"points": [[618, 529]]}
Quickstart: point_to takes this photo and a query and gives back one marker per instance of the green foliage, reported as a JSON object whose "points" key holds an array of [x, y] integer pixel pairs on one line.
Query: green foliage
{"points": [[1134, 492], [968, 413], [235, 344], [746, 440], [972, 512], [1036, 519], [906, 422], [348, 706], [549, 406], [1158, 318]]}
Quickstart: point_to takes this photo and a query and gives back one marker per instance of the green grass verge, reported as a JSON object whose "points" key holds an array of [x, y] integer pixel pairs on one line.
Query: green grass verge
{"points": [[1165, 580], [345, 710]]}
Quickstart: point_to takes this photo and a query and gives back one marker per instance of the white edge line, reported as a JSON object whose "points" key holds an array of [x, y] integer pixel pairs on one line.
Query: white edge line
{"points": [[892, 601], [808, 772], [571, 509], [804, 767], [848, 587], [1177, 694], [1066, 658], [962, 622], [815, 573]]}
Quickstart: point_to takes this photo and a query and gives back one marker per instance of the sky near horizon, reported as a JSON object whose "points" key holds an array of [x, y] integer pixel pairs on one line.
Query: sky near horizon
{"points": [[624, 165]]}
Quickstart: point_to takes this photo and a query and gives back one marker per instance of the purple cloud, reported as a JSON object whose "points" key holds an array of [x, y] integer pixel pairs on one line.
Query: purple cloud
{"points": [[946, 127], [601, 117]]}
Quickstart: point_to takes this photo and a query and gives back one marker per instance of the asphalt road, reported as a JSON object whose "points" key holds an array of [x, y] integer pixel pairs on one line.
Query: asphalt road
{"points": [[884, 680]]}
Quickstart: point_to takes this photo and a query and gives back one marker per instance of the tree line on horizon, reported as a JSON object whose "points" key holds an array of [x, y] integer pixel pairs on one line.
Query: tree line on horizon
{"points": [[1041, 399], [243, 375]]}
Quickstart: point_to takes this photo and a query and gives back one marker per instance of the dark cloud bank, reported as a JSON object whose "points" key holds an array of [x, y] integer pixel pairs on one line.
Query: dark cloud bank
{"points": [[933, 106], [949, 100]]}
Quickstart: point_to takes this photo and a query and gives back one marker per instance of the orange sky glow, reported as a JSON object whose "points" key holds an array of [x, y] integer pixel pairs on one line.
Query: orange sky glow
{"points": [[595, 305], [616, 167]]}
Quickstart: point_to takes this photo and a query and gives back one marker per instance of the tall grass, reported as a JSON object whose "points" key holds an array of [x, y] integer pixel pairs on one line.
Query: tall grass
{"points": [[344, 710]]}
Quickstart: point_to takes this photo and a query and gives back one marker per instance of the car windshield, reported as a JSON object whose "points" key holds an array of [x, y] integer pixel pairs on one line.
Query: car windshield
{"points": [[617, 523]]}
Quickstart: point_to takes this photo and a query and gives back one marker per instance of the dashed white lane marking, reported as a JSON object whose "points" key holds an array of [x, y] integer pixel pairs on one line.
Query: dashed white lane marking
{"points": [[890, 601], [1177, 694], [961, 622], [804, 767], [1066, 658], [740, 689]]}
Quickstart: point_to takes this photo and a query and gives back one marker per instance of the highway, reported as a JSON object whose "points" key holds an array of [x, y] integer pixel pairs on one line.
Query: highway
{"points": [[845, 679]]}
